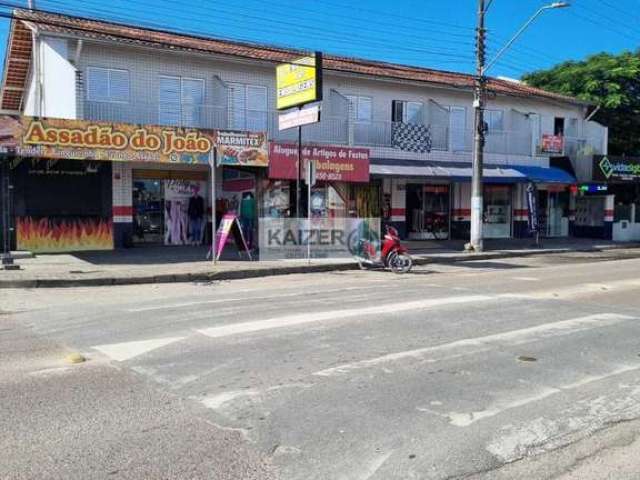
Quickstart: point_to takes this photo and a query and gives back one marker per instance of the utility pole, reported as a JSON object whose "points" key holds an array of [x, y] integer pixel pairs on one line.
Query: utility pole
{"points": [[476, 243]]}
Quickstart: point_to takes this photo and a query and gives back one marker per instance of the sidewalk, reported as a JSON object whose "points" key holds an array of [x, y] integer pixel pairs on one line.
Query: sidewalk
{"points": [[189, 264]]}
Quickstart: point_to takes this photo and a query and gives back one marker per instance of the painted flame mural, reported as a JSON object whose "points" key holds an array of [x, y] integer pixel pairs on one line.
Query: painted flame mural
{"points": [[63, 235]]}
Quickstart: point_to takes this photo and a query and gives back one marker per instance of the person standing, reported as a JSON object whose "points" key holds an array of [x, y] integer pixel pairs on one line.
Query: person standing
{"points": [[247, 217], [195, 212]]}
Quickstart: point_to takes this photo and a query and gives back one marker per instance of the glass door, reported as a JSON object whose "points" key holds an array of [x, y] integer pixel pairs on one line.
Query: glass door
{"points": [[148, 211]]}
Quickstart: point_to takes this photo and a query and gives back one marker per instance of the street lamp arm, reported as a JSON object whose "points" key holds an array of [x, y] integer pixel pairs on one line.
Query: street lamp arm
{"points": [[513, 39], [521, 31]]}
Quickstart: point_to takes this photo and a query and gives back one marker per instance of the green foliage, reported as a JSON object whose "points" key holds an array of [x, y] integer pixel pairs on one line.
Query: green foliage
{"points": [[611, 81]]}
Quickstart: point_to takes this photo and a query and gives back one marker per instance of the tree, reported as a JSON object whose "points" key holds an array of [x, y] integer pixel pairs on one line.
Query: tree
{"points": [[610, 81]]}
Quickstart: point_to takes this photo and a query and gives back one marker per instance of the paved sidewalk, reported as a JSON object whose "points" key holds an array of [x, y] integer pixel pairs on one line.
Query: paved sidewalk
{"points": [[188, 264]]}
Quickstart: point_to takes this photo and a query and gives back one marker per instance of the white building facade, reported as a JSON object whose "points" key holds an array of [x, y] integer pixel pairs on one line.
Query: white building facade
{"points": [[97, 71]]}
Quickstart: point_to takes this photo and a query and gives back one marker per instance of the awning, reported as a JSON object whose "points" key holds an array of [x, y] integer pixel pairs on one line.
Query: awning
{"points": [[546, 175], [461, 171], [452, 171]]}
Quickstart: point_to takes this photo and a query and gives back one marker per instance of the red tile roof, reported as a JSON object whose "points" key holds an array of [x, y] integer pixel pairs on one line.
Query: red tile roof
{"points": [[19, 50]]}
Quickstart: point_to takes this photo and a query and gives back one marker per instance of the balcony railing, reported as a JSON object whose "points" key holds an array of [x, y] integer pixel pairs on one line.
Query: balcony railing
{"points": [[330, 130]]}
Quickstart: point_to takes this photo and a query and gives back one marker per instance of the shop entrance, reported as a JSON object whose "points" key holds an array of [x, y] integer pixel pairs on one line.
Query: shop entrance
{"points": [[148, 207], [169, 207], [428, 211], [497, 211], [553, 207]]}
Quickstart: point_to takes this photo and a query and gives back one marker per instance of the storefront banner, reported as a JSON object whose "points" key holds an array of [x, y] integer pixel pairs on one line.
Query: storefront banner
{"points": [[185, 206], [532, 208], [52, 235], [552, 143], [319, 238], [242, 149], [611, 168], [91, 140], [333, 163]]}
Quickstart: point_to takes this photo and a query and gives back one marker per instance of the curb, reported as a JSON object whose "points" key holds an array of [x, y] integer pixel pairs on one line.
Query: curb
{"points": [[419, 259]]}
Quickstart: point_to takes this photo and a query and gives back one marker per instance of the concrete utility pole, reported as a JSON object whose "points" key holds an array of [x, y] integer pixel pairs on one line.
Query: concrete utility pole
{"points": [[476, 243], [479, 127]]}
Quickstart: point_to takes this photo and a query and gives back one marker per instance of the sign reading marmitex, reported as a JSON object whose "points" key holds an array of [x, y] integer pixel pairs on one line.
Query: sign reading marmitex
{"points": [[613, 168], [298, 118]]}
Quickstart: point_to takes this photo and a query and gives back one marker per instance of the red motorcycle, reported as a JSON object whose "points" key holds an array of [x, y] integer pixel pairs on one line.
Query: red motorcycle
{"points": [[393, 254]]}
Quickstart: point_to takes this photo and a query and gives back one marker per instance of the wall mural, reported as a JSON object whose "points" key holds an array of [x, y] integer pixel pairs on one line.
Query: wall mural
{"points": [[45, 234]]}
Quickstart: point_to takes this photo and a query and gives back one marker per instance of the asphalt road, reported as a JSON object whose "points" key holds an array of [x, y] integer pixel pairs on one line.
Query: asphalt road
{"points": [[520, 368]]}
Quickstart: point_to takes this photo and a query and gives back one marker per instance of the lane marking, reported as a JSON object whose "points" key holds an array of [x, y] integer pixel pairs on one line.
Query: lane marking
{"points": [[127, 350], [300, 319], [466, 419], [576, 291], [218, 401], [470, 346], [527, 279], [226, 300]]}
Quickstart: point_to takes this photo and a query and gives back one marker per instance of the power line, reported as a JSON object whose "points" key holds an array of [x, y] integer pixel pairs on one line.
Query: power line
{"points": [[324, 35]]}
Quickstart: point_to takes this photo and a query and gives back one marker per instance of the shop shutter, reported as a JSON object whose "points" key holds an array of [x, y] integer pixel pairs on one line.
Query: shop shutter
{"points": [[97, 84], [169, 104], [119, 86]]}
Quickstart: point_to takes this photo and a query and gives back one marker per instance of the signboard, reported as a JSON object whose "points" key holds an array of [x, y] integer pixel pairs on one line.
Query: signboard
{"points": [[299, 82], [333, 163], [298, 118], [298, 238], [117, 142], [239, 148], [611, 168], [552, 143], [592, 188], [226, 228]]}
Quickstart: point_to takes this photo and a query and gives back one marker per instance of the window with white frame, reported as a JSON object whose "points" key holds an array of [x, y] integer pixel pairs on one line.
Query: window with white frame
{"points": [[494, 120], [362, 107], [406, 112], [107, 85], [248, 107], [181, 101]]}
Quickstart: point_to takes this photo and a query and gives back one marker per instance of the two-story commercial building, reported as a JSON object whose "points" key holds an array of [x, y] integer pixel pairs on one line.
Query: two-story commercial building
{"points": [[416, 124]]}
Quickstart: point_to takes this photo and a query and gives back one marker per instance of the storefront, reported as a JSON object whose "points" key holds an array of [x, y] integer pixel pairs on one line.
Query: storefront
{"points": [[431, 200], [83, 185], [428, 211], [341, 188], [608, 206]]}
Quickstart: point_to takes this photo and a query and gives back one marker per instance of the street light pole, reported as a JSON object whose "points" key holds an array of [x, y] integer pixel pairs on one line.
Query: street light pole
{"points": [[476, 239], [476, 243]]}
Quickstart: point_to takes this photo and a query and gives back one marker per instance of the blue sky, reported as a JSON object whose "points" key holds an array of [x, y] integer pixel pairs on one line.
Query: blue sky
{"points": [[431, 33]]}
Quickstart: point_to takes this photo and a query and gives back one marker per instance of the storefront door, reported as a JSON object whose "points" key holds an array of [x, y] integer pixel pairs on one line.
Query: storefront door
{"points": [[170, 207], [428, 210], [148, 208], [497, 211]]}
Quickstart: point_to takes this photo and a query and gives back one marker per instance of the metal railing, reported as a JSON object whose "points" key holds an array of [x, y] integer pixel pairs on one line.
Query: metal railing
{"points": [[330, 130]]}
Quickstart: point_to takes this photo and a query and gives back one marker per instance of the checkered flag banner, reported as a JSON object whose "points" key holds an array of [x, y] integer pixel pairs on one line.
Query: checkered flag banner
{"points": [[411, 137]]}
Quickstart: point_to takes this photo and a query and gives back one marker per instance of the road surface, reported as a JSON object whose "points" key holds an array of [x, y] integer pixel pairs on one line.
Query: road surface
{"points": [[519, 368]]}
